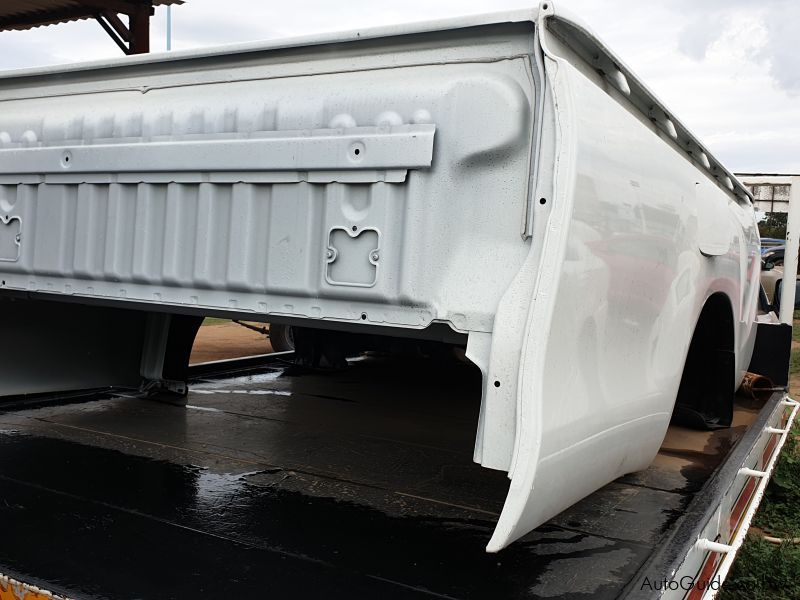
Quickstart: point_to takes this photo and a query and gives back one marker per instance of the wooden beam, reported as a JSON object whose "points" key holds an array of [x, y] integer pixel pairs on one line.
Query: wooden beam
{"points": [[122, 30], [133, 38], [140, 29], [112, 33]]}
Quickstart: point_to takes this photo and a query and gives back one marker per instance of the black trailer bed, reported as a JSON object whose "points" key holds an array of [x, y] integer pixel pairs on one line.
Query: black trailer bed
{"points": [[276, 483]]}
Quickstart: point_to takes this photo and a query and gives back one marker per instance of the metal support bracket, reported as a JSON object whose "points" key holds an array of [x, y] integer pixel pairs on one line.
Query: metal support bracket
{"points": [[154, 353]]}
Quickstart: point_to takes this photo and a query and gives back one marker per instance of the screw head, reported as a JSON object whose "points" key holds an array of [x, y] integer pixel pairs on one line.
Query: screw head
{"points": [[375, 256], [329, 254]]}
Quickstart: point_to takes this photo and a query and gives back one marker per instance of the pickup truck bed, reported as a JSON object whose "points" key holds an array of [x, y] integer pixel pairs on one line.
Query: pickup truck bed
{"points": [[498, 184], [297, 484]]}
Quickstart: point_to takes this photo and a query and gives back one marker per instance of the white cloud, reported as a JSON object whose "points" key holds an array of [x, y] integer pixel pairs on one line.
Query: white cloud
{"points": [[777, 21], [698, 35], [780, 49]]}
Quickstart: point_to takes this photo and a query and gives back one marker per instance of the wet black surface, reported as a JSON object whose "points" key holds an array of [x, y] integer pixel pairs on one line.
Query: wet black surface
{"points": [[99, 523], [271, 486]]}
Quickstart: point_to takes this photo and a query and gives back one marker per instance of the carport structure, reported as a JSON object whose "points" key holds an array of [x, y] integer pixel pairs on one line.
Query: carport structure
{"points": [[132, 37]]}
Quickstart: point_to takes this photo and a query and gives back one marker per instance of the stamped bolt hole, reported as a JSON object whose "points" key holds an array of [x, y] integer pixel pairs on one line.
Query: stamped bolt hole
{"points": [[356, 151], [354, 228], [363, 316], [542, 200], [496, 383]]}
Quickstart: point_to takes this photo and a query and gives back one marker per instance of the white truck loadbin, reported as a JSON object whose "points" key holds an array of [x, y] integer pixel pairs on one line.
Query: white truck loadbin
{"points": [[498, 184]]}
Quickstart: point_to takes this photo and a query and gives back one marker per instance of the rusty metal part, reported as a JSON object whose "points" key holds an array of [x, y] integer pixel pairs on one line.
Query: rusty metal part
{"points": [[756, 386], [11, 589], [261, 330]]}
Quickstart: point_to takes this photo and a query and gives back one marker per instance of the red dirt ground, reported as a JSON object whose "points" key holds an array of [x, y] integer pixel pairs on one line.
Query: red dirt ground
{"points": [[219, 341]]}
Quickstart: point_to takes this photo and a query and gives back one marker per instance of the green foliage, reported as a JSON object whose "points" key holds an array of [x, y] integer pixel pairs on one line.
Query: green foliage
{"points": [[794, 361], [215, 321], [764, 571], [796, 328], [773, 226]]}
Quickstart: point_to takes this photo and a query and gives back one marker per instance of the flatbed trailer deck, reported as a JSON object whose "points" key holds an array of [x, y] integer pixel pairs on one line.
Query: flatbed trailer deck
{"points": [[274, 481]]}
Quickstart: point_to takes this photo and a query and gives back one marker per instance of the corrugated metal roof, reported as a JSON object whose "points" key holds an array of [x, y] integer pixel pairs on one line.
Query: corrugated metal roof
{"points": [[27, 14]]}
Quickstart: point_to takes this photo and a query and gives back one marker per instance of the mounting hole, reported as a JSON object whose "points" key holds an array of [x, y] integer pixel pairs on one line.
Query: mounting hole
{"points": [[66, 159], [542, 200], [496, 383], [363, 316], [354, 228], [357, 151], [544, 6]]}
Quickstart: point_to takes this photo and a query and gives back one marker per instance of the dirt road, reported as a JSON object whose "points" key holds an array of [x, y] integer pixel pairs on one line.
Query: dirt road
{"points": [[219, 341]]}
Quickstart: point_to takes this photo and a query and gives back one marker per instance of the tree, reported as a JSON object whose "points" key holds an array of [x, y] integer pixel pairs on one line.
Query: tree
{"points": [[773, 226]]}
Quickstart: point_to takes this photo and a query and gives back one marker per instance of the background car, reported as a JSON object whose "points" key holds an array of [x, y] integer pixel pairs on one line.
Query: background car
{"points": [[771, 282], [769, 243], [773, 255]]}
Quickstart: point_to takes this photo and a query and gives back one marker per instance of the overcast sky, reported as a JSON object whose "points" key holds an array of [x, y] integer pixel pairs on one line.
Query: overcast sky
{"points": [[729, 69]]}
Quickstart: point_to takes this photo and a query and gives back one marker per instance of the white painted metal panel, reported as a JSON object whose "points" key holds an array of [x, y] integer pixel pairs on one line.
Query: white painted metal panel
{"points": [[621, 283], [348, 149], [227, 196]]}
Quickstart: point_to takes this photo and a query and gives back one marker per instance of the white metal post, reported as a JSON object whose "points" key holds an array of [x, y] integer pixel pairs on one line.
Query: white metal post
{"points": [[790, 254], [169, 28]]}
